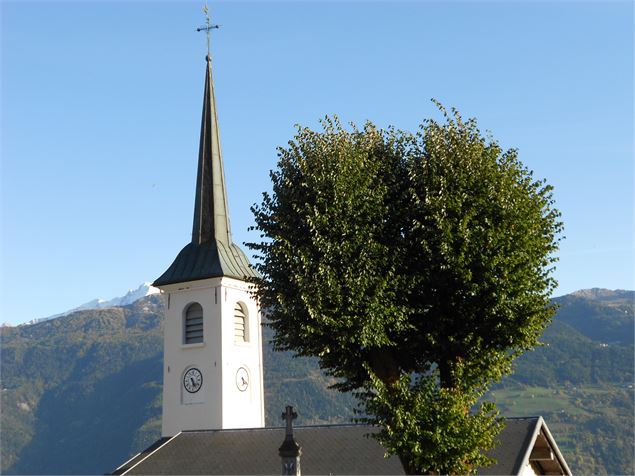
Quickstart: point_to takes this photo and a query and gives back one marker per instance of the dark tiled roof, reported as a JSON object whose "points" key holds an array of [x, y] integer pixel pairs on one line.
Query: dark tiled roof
{"points": [[514, 440], [140, 456], [517, 443], [327, 449], [331, 449]]}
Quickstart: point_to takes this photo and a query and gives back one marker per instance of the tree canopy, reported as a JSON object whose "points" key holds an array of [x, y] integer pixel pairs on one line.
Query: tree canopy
{"points": [[416, 267]]}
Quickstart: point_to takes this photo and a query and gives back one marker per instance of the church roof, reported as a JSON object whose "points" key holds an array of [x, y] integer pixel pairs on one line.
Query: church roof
{"points": [[328, 449], [211, 253]]}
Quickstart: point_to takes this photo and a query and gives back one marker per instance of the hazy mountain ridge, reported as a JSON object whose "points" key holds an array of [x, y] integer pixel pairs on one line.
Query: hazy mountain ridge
{"points": [[600, 314], [82, 393], [605, 296]]}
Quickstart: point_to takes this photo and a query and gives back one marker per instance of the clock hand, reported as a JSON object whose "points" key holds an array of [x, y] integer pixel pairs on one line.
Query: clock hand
{"points": [[192, 380]]}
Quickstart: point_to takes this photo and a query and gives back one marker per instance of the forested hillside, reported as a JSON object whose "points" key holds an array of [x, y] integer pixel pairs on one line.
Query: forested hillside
{"points": [[83, 392]]}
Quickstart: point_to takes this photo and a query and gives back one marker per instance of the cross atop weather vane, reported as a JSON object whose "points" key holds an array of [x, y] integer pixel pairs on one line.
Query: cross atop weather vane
{"points": [[208, 26]]}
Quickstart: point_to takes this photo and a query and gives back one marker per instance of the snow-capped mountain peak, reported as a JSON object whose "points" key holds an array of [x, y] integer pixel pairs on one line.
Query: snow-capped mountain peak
{"points": [[145, 289]]}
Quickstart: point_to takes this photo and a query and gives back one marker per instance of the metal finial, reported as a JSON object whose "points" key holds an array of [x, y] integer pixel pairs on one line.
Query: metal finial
{"points": [[208, 26]]}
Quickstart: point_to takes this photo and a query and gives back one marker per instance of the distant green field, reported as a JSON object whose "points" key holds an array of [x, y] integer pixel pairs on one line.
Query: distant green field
{"points": [[521, 400], [524, 401]]}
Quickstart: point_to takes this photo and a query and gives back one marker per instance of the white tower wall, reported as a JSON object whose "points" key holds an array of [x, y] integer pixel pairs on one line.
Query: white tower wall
{"points": [[222, 402]]}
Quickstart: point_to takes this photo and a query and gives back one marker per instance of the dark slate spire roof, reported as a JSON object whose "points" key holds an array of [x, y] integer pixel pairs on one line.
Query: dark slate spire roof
{"points": [[212, 253], [211, 218]]}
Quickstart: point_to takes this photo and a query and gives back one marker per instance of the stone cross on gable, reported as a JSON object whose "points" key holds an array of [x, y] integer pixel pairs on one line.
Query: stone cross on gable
{"points": [[289, 415]]}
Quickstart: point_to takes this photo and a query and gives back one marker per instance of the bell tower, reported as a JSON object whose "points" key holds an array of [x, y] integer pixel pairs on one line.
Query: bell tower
{"points": [[212, 352]]}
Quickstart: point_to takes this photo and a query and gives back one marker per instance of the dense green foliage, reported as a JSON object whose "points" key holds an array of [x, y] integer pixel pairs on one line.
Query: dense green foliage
{"points": [[415, 268], [86, 413], [429, 424]]}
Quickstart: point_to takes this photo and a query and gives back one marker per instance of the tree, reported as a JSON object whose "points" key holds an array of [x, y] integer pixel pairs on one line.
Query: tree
{"points": [[416, 267]]}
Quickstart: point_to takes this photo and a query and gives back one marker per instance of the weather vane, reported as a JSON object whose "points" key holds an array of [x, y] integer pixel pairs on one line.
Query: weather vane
{"points": [[208, 26]]}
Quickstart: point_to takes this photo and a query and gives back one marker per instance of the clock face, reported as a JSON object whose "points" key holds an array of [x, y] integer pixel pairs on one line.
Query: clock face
{"points": [[242, 379], [193, 380]]}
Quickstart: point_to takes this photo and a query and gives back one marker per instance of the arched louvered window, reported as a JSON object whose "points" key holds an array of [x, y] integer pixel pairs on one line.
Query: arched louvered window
{"points": [[193, 324], [241, 323]]}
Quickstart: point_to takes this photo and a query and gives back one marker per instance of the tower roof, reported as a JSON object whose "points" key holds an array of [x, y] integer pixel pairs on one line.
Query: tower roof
{"points": [[211, 218], [211, 253]]}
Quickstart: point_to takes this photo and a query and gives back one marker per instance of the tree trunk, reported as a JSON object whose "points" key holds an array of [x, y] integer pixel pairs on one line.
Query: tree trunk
{"points": [[406, 467], [445, 374], [384, 365]]}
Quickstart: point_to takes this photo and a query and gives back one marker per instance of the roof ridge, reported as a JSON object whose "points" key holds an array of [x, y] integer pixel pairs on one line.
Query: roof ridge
{"points": [[536, 417], [269, 428]]}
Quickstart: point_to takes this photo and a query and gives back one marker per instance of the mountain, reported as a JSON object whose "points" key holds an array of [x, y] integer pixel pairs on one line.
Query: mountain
{"points": [[82, 393], [581, 381], [146, 289], [600, 314]]}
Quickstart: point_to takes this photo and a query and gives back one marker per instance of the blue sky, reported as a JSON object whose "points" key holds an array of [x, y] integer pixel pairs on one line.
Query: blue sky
{"points": [[101, 106]]}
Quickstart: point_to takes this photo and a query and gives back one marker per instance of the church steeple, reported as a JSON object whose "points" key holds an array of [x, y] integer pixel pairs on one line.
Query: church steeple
{"points": [[211, 253], [211, 218], [212, 341]]}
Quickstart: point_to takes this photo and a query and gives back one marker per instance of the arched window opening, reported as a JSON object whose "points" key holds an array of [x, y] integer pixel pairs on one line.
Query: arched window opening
{"points": [[241, 323], [194, 324]]}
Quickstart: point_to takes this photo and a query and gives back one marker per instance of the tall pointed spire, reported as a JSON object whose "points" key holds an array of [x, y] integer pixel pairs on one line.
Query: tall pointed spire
{"points": [[211, 253], [211, 217]]}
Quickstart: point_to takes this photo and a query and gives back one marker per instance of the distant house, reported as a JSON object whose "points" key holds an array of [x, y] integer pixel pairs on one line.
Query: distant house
{"points": [[213, 395]]}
